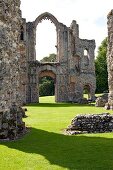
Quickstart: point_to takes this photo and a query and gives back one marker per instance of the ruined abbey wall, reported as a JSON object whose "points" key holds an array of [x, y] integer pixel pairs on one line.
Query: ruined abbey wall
{"points": [[73, 69], [20, 71], [10, 94], [110, 59]]}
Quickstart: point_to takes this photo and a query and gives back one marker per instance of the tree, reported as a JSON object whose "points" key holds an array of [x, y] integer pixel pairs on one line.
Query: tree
{"points": [[51, 58], [46, 84], [101, 68]]}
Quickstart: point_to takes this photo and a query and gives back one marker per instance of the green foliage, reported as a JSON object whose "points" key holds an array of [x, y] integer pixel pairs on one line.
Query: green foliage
{"points": [[46, 86], [101, 68], [45, 147], [51, 58]]}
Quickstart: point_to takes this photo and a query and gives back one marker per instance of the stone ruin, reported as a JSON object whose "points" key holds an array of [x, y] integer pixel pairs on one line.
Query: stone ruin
{"points": [[72, 72], [110, 60], [91, 123], [101, 100], [11, 51]]}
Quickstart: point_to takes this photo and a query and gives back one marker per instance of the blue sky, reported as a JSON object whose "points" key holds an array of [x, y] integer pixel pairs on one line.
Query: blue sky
{"points": [[91, 15]]}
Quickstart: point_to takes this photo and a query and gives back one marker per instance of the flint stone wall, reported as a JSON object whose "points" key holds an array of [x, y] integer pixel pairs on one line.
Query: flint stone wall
{"points": [[11, 123], [110, 58], [91, 123], [101, 100]]}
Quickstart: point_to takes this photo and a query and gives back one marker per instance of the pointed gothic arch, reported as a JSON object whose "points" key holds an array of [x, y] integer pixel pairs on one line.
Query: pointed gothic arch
{"points": [[52, 18], [46, 16]]}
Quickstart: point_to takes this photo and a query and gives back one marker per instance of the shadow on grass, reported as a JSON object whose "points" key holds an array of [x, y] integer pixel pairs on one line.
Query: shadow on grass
{"points": [[59, 105], [72, 152]]}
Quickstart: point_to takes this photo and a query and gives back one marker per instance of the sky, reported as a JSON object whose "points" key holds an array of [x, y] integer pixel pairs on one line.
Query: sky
{"points": [[91, 15]]}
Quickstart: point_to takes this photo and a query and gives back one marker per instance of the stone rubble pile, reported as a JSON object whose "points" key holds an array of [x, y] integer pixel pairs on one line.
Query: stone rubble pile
{"points": [[83, 101], [91, 123], [101, 100], [12, 126]]}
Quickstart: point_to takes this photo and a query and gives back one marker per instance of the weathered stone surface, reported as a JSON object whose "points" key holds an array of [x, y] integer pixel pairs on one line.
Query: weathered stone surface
{"points": [[10, 70], [83, 101], [91, 123], [101, 100], [12, 126], [110, 59]]}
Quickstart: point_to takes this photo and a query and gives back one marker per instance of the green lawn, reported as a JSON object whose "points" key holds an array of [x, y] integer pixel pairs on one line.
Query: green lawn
{"points": [[46, 148]]}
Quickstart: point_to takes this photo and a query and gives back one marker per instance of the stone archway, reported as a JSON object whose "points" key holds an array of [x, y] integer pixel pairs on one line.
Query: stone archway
{"points": [[48, 16], [51, 74], [87, 90], [49, 70], [45, 16], [46, 73]]}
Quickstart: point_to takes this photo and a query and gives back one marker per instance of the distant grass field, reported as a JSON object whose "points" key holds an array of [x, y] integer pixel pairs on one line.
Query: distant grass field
{"points": [[45, 147]]}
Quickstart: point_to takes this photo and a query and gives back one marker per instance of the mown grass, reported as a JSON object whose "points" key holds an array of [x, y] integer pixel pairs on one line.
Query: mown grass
{"points": [[45, 147]]}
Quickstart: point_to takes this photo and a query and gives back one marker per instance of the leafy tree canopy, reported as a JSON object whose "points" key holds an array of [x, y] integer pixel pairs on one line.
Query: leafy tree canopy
{"points": [[50, 58], [46, 84], [101, 68]]}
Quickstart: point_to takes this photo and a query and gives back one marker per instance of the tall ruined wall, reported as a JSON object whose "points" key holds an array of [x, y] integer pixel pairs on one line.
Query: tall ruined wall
{"points": [[10, 96], [81, 65], [110, 58], [74, 70]]}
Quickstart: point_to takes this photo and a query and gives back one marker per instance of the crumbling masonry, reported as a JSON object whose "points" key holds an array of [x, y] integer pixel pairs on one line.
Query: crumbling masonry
{"points": [[20, 71], [110, 60], [74, 67], [11, 124]]}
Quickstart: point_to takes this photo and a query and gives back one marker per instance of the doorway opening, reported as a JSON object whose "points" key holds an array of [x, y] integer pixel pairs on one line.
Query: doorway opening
{"points": [[86, 92], [47, 86]]}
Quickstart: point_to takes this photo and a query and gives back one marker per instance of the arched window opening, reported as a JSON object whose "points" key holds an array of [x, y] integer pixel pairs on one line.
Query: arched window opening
{"points": [[46, 41], [86, 92], [86, 57], [85, 52]]}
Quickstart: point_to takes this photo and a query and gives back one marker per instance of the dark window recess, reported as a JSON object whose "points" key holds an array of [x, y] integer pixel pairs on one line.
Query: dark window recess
{"points": [[22, 34]]}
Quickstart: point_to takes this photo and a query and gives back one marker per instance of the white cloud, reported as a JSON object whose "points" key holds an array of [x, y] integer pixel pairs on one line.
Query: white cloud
{"points": [[91, 15]]}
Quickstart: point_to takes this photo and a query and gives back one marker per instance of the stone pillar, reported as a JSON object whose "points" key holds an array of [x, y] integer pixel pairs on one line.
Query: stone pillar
{"points": [[11, 124], [23, 62], [32, 91], [31, 41], [110, 58], [62, 43]]}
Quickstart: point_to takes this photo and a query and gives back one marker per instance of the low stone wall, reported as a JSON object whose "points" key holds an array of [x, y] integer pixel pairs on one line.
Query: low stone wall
{"points": [[91, 123]]}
